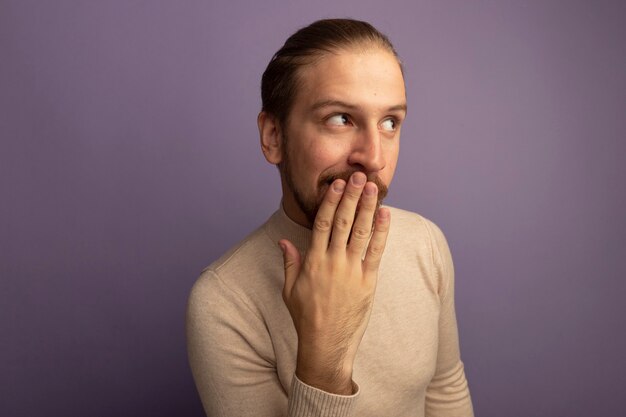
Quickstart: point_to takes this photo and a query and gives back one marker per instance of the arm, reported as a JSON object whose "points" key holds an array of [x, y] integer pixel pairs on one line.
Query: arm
{"points": [[329, 293], [230, 353], [448, 392]]}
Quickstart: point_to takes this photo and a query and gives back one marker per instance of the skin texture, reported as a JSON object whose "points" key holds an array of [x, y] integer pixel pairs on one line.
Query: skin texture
{"points": [[337, 154]]}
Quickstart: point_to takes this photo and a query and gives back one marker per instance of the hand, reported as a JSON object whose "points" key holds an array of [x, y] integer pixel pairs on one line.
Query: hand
{"points": [[329, 294]]}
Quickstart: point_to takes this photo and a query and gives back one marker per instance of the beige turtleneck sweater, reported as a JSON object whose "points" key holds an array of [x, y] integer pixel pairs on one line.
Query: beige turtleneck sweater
{"points": [[242, 343]]}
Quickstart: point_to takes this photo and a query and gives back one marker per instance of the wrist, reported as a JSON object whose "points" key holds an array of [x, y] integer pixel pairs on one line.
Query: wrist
{"points": [[337, 386], [330, 376]]}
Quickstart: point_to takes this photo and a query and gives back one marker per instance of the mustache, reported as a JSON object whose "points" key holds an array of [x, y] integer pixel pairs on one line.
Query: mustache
{"points": [[327, 179]]}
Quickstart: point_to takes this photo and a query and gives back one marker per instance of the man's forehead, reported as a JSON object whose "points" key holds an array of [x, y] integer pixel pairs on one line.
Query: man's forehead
{"points": [[352, 79]]}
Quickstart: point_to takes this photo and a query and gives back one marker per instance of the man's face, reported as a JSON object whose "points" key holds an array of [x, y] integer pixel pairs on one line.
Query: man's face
{"points": [[345, 118]]}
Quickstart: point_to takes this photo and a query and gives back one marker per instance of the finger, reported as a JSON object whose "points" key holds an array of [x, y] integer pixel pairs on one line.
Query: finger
{"points": [[344, 217], [377, 243], [323, 224], [292, 262], [362, 228]]}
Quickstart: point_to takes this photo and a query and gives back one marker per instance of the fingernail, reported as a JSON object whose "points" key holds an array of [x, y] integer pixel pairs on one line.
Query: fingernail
{"points": [[370, 188], [358, 178], [339, 186]]}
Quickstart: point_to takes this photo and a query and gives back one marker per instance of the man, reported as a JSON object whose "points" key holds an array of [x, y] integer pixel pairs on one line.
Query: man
{"points": [[336, 306]]}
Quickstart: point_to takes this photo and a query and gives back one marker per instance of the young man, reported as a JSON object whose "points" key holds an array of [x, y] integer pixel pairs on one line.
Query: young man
{"points": [[336, 306]]}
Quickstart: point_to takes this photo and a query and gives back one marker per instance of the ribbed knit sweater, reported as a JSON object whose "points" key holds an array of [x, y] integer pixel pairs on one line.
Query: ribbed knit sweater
{"points": [[242, 343]]}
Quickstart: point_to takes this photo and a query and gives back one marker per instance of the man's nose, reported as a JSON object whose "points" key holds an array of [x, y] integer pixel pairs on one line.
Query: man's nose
{"points": [[367, 151]]}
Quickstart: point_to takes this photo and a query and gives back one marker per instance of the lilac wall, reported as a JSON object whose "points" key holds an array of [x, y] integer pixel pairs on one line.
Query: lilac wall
{"points": [[129, 160]]}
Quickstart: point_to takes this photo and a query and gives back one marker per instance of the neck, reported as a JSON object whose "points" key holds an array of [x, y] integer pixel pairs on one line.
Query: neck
{"points": [[293, 211]]}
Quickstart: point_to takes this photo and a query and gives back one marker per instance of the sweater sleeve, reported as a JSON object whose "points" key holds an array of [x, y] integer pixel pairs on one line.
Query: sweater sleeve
{"points": [[447, 395], [231, 359]]}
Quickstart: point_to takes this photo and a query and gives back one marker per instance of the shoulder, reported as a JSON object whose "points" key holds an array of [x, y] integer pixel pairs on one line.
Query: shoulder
{"points": [[414, 238], [411, 228], [245, 256], [241, 275]]}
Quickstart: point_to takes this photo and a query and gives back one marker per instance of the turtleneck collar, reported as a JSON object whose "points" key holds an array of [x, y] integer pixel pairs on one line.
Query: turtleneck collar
{"points": [[280, 226]]}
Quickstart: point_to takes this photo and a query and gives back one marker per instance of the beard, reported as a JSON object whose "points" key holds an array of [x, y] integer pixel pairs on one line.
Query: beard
{"points": [[309, 205]]}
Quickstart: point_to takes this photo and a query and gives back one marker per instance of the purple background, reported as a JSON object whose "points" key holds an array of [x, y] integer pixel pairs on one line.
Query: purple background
{"points": [[129, 160]]}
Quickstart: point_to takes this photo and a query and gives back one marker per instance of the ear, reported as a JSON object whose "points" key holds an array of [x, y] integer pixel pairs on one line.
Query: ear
{"points": [[271, 138]]}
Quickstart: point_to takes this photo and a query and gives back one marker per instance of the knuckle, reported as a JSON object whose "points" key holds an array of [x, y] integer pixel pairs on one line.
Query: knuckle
{"points": [[382, 226], [368, 203], [376, 250], [353, 194], [341, 223], [322, 225], [311, 266], [360, 233], [333, 199]]}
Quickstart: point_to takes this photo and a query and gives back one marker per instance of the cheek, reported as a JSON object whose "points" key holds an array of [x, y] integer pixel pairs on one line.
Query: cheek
{"points": [[322, 158]]}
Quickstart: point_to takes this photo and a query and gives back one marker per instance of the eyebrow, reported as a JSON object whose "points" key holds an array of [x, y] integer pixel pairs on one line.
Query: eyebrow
{"points": [[339, 103]]}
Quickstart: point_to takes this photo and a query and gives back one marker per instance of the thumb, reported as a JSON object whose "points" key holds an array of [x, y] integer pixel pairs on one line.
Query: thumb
{"points": [[291, 260]]}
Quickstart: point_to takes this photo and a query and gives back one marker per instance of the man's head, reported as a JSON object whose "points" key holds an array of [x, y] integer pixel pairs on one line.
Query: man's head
{"points": [[333, 101]]}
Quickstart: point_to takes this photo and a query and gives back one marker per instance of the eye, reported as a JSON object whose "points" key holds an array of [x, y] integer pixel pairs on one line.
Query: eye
{"points": [[388, 125], [338, 120]]}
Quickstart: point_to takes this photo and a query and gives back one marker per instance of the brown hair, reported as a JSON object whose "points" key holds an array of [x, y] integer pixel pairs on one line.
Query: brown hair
{"points": [[280, 81]]}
